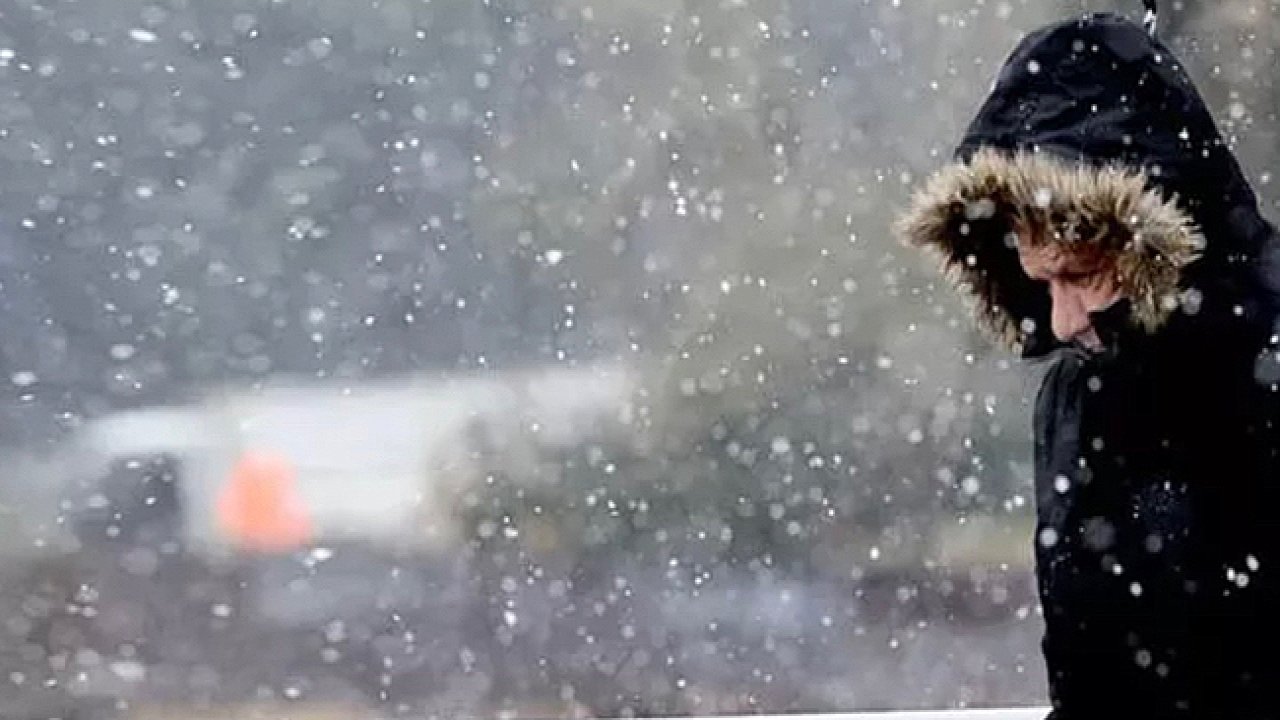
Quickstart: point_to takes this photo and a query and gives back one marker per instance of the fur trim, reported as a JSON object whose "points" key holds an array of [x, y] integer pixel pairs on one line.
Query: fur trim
{"points": [[965, 214]]}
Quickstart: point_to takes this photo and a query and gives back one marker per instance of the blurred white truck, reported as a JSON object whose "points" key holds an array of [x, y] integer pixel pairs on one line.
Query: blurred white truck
{"points": [[378, 462]]}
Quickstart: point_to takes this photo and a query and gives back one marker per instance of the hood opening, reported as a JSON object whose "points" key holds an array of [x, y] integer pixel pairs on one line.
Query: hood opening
{"points": [[965, 215]]}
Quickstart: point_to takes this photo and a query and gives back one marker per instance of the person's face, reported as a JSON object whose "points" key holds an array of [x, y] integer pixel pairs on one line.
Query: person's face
{"points": [[1079, 283]]}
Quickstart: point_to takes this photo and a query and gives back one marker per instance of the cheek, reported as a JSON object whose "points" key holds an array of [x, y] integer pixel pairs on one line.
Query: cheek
{"points": [[1100, 294]]}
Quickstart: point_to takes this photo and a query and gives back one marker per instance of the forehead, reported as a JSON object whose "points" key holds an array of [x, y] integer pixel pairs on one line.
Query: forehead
{"points": [[1044, 254], [1055, 258]]}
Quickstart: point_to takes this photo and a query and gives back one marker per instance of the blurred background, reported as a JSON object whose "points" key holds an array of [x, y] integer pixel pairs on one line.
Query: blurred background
{"points": [[513, 358]]}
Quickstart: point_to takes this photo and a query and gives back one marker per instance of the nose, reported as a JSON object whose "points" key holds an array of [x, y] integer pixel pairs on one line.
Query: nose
{"points": [[1070, 318]]}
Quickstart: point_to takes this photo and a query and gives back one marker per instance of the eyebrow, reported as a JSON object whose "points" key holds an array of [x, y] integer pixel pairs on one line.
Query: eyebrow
{"points": [[1083, 261], [1070, 265]]}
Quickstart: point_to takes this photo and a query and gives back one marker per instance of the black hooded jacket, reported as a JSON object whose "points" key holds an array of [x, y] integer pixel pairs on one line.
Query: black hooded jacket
{"points": [[1156, 458]]}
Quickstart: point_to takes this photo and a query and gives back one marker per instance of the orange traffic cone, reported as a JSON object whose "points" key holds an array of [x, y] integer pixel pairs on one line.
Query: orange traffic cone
{"points": [[259, 507]]}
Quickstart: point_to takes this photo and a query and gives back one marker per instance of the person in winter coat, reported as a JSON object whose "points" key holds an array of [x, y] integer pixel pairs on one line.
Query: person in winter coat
{"points": [[1096, 219]]}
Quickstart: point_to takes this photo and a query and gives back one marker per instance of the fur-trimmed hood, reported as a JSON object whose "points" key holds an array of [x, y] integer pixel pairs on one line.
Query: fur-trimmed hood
{"points": [[965, 215], [1092, 134]]}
